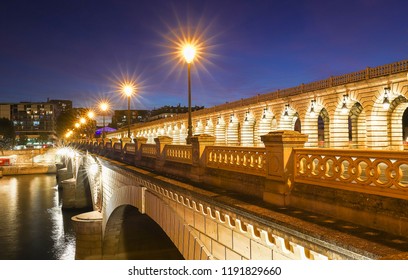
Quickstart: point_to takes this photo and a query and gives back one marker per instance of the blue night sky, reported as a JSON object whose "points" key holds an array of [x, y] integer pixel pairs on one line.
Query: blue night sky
{"points": [[81, 49]]}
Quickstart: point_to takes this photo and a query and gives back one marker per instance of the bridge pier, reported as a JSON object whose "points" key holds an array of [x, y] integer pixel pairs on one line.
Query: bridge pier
{"points": [[76, 192], [88, 232]]}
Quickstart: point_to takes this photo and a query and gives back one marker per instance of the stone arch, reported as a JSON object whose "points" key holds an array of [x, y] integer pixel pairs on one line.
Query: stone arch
{"points": [[183, 133], [357, 126], [209, 127], [233, 131], [339, 134], [180, 233], [132, 235], [220, 131], [198, 128], [248, 130], [398, 108], [176, 134], [323, 129], [297, 124], [264, 126], [288, 118]]}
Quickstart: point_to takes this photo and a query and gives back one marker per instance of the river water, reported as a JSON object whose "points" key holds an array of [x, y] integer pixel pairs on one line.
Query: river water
{"points": [[32, 224]]}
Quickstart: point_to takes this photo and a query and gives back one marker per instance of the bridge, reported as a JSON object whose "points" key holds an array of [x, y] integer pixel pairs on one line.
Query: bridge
{"points": [[314, 172]]}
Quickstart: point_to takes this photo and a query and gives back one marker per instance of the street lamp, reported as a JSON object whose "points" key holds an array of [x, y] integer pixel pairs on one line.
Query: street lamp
{"points": [[128, 90], [104, 107], [91, 116], [189, 52]]}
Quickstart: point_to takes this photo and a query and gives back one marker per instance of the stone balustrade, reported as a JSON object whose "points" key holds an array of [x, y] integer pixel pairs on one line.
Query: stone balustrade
{"points": [[178, 153], [148, 150], [239, 159], [375, 172]]}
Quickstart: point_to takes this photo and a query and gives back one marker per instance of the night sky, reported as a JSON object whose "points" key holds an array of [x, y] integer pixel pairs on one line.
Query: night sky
{"points": [[81, 49]]}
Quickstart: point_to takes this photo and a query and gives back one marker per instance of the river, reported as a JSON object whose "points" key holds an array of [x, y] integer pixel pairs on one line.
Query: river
{"points": [[32, 224]]}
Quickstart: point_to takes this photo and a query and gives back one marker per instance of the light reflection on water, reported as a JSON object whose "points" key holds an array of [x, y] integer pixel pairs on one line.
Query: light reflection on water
{"points": [[32, 224]]}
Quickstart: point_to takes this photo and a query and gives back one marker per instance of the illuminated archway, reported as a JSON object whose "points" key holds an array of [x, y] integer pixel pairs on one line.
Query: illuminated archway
{"points": [[220, 132], [357, 126], [323, 129], [248, 130], [130, 235], [264, 126], [396, 126], [233, 131]]}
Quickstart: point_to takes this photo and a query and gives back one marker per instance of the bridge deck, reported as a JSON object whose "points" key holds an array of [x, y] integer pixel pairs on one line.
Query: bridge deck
{"points": [[311, 227]]}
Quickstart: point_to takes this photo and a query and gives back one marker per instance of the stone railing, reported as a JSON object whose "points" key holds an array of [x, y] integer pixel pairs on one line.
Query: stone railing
{"points": [[377, 172], [178, 153], [148, 150], [239, 159]]}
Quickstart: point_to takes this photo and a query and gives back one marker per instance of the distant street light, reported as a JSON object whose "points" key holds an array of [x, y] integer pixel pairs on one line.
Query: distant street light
{"points": [[128, 90], [104, 107], [189, 52]]}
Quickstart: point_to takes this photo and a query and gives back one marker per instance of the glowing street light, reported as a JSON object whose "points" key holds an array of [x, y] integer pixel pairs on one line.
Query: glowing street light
{"points": [[128, 90], [189, 53], [91, 114], [104, 106]]}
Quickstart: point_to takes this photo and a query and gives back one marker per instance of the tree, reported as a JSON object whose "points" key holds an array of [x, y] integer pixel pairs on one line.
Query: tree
{"points": [[7, 134], [65, 121]]}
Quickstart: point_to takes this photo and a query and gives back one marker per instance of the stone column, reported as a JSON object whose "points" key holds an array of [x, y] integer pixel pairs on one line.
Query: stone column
{"points": [[161, 142], [139, 141], [279, 151], [198, 143], [88, 232], [125, 140]]}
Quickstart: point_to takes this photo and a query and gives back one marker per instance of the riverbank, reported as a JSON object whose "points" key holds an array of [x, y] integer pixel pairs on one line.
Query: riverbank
{"points": [[27, 162], [28, 169]]}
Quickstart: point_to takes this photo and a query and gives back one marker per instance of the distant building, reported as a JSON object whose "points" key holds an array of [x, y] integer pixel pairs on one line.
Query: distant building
{"points": [[170, 111], [60, 106], [120, 117], [34, 121]]}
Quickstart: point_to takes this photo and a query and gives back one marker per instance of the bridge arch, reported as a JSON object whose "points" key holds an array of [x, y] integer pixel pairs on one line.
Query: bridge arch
{"points": [[179, 232], [132, 235]]}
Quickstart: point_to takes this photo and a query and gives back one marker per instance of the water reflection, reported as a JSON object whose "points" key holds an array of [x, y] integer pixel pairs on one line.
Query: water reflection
{"points": [[33, 226]]}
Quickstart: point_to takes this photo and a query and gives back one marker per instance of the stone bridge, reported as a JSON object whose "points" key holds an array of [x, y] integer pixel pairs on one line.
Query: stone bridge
{"points": [[280, 201], [316, 171]]}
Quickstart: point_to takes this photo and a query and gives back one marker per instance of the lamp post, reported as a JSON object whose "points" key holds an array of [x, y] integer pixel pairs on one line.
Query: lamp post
{"points": [[189, 52], [90, 116], [104, 107], [128, 90]]}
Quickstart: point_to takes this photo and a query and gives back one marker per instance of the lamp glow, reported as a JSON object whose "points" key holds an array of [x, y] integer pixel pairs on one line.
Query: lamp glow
{"points": [[189, 52]]}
